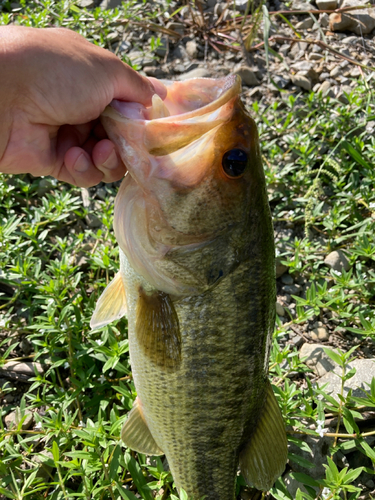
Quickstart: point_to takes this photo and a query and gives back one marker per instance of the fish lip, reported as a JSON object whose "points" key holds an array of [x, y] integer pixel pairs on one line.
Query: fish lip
{"points": [[231, 82]]}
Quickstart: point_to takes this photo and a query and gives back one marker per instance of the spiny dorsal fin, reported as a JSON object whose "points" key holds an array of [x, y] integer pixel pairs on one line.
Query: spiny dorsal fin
{"points": [[263, 458], [157, 329], [136, 435], [111, 304]]}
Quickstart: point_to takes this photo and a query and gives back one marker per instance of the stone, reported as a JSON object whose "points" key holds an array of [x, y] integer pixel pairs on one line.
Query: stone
{"points": [[177, 27], [47, 464], [44, 186], [26, 346], [359, 22], [247, 76], [195, 73], [292, 485], [280, 269], [162, 48], [292, 289], [86, 4], [26, 368], [153, 71], [300, 5], [279, 309], [110, 4], [14, 418], [317, 360], [306, 24], [318, 456], [337, 261], [85, 195], [93, 221], [287, 279], [335, 72], [365, 372], [241, 5], [192, 49], [326, 89], [320, 333], [301, 81], [324, 20], [326, 4]]}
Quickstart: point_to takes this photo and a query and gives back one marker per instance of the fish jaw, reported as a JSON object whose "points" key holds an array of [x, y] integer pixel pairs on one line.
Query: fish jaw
{"points": [[177, 202]]}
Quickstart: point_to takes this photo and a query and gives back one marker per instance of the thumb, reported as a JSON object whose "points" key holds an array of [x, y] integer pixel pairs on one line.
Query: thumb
{"points": [[132, 87]]}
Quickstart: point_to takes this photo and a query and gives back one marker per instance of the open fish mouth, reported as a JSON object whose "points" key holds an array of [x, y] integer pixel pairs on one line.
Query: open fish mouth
{"points": [[191, 109]]}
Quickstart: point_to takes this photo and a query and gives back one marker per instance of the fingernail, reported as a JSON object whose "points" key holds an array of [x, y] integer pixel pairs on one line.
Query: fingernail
{"points": [[159, 87], [111, 162], [82, 164]]}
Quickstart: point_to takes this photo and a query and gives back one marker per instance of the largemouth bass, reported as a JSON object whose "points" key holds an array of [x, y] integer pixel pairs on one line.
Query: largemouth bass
{"points": [[197, 282]]}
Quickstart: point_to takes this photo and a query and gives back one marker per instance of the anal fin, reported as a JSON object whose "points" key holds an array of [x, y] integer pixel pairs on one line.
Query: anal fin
{"points": [[263, 458], [111, 304], [136, 435]]}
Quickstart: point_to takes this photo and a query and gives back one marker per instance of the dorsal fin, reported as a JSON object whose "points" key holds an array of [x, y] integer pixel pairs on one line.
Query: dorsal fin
{"points": [[157, 329], [111, 304], [136, 435], [263, 458]]}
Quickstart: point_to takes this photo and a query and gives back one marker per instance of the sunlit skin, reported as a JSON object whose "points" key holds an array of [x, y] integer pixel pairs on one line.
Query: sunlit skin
{"points": [[54, 86]]}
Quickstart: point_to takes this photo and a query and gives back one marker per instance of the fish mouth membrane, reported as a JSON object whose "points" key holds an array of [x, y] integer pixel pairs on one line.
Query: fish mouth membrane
{"points": [[191, 109]]}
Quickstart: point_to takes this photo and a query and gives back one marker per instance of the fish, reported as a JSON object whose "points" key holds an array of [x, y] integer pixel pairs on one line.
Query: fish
{"points": [[197, 284]]}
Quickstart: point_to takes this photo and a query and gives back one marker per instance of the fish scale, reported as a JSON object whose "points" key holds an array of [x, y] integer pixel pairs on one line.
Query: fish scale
{"points": [[197, 409], [197, 283]]}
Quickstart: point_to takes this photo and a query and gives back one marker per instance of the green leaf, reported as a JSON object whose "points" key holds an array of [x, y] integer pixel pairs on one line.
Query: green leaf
{"points": [[125, 494], [355, 154], [55, 452], [333, 355], [138, 477], [300, 461]]}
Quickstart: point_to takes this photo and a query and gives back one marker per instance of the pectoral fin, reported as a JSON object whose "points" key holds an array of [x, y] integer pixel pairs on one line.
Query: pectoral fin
{"points": [[136, 435], [157, 330], [111, 304], [263, 458]]}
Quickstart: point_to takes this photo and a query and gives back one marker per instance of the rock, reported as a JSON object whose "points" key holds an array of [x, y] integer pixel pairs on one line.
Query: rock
{"points": [[360, 22], [318, 456], [305, 24], [195, 73], [337, 261], [153, 71], [192, 49], [161, 49], [292, 484], [177, 27], [86, 4], [93, 221], [45, 185], [320, 333], [335, 72], [280, 269], [292, 289], [26, 346], [45, 458], [326, 4], [300, 5], [365, 371], [301, 81], [287, 279], [110, 4], [85, 195], [16, 367], [14, 418], [317, 360], [279, 309], [326, 89], [247, 76], [324, 20], [241, 5]]}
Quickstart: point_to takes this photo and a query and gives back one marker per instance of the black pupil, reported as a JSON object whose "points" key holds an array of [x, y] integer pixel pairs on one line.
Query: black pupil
{"points": [[234, 162]]}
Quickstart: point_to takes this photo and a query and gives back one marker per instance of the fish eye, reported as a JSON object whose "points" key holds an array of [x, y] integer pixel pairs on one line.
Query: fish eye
{"points": [[234, 162]]}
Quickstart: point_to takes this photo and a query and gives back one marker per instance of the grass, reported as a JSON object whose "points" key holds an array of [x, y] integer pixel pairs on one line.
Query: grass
{"points": [[319, 155]]}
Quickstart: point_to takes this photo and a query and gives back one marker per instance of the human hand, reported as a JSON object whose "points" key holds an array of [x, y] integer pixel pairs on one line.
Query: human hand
{"points": [[55, 84]]}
